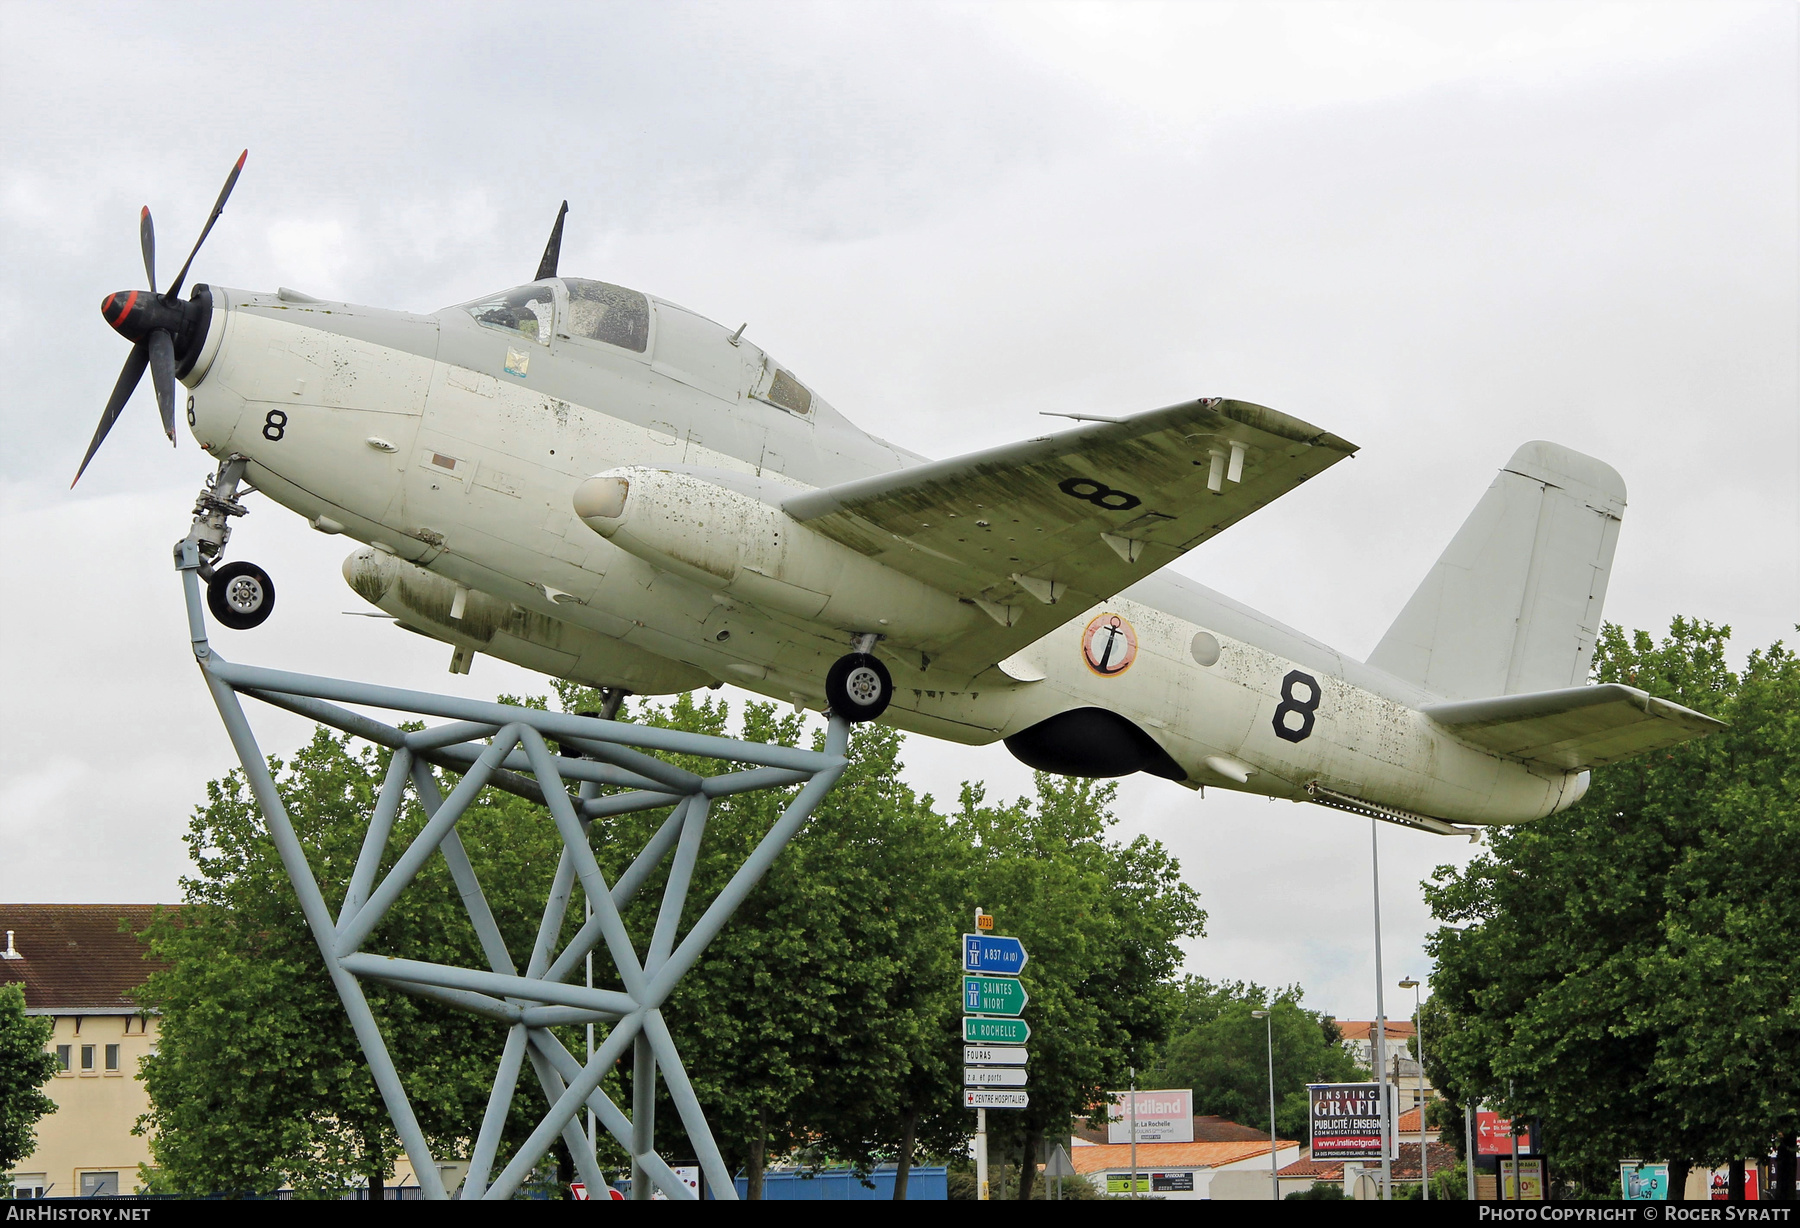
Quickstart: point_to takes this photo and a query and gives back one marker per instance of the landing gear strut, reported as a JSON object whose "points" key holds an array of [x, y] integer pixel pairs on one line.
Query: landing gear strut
{"points": [[859, 687], [240, 595]]}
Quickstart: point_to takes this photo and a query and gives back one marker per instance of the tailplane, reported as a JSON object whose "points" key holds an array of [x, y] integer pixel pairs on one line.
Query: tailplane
{"points": [[1513, 604]]}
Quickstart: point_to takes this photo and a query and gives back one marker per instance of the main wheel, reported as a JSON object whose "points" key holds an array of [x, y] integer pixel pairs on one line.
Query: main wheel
{"points": [[240, 595], [858, 687]]}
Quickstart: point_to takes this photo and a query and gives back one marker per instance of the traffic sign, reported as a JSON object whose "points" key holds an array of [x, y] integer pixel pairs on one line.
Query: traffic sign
{"points": [[992, 954], [994, 995], [973, 1099], [993, 1076], [980, 1030], [993, 1055]]}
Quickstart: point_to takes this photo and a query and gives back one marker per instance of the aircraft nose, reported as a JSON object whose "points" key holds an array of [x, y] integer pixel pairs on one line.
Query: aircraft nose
{"points": [[117, 309]]}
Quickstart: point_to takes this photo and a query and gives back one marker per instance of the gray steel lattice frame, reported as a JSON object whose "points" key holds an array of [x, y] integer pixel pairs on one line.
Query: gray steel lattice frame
{"points": [[502, 746]]}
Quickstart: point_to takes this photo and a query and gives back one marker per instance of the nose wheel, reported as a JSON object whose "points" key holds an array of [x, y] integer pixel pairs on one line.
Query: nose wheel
{"points": [[240, 595], [858, 687]]}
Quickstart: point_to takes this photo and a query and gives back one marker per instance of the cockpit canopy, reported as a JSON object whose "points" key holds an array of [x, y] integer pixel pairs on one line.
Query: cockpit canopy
{"points": [[688, 348], [598, 311]]}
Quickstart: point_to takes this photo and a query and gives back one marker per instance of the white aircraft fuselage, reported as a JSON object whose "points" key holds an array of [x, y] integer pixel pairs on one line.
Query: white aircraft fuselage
{"points": [[454, 449]]}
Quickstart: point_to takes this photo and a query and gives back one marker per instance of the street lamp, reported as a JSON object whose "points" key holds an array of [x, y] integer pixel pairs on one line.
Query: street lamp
{"points": [[1419, 1037], [1269, 1027]]}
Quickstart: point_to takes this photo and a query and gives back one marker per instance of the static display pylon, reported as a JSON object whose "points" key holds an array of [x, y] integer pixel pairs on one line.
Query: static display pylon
{"points": [[494, 745]]}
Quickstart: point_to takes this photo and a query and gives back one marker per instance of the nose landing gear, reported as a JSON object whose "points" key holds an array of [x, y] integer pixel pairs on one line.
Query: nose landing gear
{"points": [[859, 687], [240, 595]]}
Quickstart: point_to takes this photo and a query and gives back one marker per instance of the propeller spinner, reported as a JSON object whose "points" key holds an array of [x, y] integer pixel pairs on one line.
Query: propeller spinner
{"points": [[164, 330]]}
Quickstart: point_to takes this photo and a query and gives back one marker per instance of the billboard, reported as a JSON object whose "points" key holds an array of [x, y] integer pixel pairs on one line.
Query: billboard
{"points": [[1530, 1184], [1644, 1182], [1162, 1117], [1346, 1121], [1493, 1135]]}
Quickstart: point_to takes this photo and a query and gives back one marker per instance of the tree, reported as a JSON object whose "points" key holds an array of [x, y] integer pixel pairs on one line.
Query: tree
{"points": [[258, 1081], [1222, 1052], [1622, 971], [25, 1066], [1101, 921]]}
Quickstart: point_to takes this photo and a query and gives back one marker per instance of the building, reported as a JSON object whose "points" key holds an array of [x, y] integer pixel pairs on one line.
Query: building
{"points": [[1176, 1170], [1402, 1069], [80, 968]]}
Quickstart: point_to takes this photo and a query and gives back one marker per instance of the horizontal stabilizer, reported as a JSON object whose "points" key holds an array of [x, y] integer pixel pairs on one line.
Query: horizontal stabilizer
{"points": [[1574, 728]]}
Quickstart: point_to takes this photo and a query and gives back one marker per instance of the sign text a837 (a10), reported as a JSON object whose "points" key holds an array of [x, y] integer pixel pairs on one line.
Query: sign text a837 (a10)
{"points": [[993, 954]]}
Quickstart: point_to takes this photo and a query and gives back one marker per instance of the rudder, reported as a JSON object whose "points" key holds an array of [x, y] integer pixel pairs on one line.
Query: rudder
{"points": [[1513, 604]]}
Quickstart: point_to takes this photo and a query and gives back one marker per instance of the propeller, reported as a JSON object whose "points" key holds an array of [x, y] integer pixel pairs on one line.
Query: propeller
{"points": [[165, 332]]}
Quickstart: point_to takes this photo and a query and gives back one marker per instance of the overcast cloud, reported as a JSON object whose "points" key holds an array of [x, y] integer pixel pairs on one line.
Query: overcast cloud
{"points": [[1437, 230]]}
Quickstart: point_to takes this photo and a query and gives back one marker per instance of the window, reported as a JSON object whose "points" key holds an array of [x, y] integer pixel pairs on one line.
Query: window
{"points": [[600, 311], [87, 1057], [112, 1058], [62, 1056], [789, 393], [99, 1185], [526, 311], [30, 1185]]}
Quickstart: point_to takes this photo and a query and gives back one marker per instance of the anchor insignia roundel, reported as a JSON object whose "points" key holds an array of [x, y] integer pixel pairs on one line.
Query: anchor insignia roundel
{"points": [[1109, 645]]}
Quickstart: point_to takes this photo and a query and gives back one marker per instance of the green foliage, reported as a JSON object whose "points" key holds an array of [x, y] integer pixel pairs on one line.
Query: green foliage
{"points": [[1222, 1052], [25, 1066], [1624, 970], [824, 1016], [1101, 921], [258, 1081]]}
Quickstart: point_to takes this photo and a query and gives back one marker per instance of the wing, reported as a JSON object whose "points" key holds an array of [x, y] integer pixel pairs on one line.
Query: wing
{"points": [[1580, 727], [1036, 532]]}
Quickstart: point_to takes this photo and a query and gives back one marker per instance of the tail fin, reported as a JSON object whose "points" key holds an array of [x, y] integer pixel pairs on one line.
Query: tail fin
{"points": [[1513, 604]]}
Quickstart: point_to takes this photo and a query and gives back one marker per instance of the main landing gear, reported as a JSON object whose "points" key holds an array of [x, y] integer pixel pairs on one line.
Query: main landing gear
{"points": [[240, 595], [859, 687]]}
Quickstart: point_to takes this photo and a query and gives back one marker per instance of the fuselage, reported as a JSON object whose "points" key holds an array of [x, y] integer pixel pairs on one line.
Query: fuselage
{"points": [[451, 445]]}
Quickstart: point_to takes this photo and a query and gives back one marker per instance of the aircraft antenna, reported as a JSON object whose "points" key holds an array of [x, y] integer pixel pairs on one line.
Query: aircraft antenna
{"points": [[552, 249]]}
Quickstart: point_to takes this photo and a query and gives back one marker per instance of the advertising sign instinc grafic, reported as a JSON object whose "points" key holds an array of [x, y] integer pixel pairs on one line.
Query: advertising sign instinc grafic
{"points": [[1346, 1120]]}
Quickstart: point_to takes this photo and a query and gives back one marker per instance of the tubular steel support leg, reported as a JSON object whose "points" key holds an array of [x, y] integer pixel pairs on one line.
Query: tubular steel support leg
{"points": [[501, 746]]}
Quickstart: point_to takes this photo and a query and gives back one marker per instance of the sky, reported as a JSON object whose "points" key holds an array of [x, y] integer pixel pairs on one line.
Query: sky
{"points": [[1438, 230]]}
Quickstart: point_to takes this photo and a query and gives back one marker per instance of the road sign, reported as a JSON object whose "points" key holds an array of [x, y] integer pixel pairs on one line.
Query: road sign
{"points": [[994, 995], [992, 954], [994, 1055], [993, 1076], [1058, 1164], [984, 922], [980, 1030], [973, 1099]]}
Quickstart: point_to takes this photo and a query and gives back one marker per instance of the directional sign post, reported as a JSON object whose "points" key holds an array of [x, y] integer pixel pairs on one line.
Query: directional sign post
{"points": [[973, 1099], [991, 953], [993, 1076], [994, 1055], [978, 1029], [994, 995]]}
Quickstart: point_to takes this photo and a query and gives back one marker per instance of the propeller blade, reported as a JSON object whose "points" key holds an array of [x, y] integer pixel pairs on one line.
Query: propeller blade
{"points": [[129, 376], [552, 249], [147, 240], [162, 375], [230, 183]]}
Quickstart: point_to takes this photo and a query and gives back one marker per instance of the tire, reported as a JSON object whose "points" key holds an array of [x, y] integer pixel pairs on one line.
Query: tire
{"points": [[858, 687], [240, 596]]}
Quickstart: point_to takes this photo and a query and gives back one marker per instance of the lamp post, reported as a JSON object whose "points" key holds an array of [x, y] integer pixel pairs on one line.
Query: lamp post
{"points": [[1419, 1037], [1269, 1027], [1387, 1124]]}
